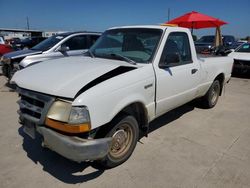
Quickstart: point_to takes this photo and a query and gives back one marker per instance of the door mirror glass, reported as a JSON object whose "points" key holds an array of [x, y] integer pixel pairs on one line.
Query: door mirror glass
{"points": [[170, 60], [63, 48]]}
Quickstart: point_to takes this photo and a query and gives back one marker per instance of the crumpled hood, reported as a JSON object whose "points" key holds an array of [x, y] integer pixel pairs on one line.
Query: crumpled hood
{"points": [[21, 53], [240, 56], [64, 77]]}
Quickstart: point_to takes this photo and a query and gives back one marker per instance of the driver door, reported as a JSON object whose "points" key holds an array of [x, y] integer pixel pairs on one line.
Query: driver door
{"points": [[177, 74]]}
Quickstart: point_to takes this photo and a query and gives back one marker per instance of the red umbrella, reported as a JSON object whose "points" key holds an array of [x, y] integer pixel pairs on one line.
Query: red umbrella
{"points": [[196, 20]]}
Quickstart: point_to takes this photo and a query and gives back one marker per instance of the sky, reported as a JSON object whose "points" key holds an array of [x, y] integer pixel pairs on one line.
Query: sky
{"points": [[97, 15]]}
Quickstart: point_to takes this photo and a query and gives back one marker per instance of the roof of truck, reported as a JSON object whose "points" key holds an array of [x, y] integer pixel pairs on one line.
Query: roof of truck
{"points": [[141, 26], [163, 27]]}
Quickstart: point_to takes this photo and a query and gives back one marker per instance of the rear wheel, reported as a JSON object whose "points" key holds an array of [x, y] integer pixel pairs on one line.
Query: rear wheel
{"points": [[125, 134], [212, 95]]}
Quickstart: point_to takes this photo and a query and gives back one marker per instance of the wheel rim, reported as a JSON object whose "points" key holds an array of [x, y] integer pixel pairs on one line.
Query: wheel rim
{"points": [[215, 94], [122, 140]]}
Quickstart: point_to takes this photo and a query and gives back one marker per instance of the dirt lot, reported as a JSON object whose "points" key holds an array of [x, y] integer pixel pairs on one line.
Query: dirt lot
{"points": [[187, 147]]}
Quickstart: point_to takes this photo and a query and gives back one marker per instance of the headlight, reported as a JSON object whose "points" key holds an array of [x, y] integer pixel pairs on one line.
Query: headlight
{"points": [[79, 115], [65, 117], [60, 111]]}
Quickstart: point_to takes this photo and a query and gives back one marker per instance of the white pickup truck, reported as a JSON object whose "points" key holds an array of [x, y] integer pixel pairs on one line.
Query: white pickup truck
{"points": [[94, 107]]}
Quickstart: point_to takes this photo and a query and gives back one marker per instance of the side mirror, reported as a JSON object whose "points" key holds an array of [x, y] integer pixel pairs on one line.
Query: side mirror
{"points": [[63, 48], [170, 60]]}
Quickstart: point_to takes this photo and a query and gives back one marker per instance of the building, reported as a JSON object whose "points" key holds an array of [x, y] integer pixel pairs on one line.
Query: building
{"points": [[51, 33], [24, 33], [19, 33]]}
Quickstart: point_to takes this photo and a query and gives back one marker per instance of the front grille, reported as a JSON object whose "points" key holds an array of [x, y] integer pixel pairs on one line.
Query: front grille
{"points": [[32, 101], [33, 105]]}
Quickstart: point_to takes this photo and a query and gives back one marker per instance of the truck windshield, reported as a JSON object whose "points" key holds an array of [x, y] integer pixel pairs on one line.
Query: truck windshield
{"points": [[245, 48], [135, 44], [48, 43]]}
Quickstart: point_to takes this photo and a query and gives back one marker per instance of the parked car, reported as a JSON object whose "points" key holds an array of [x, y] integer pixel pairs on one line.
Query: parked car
{"points": [[93, 108], [237, 44], [4, 48], [206, 43], [13, 41], [61, 45], [241, 58], [27, 42]]}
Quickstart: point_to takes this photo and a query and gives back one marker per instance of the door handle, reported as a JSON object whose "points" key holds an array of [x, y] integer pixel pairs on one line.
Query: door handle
{"points": [[193, 71]]}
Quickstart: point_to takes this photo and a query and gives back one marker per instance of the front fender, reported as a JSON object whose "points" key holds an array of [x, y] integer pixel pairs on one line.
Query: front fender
{"points": [[108, 98], [123, 103]]}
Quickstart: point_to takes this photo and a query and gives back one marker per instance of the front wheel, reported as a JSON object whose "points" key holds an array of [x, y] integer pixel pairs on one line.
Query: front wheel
{"points": [[212, 95], [125, 134], [6, 70]]}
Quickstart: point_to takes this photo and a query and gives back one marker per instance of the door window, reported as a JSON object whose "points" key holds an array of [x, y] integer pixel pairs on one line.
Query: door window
{"points": [[77, 43], [177, 50], [93, 39]]}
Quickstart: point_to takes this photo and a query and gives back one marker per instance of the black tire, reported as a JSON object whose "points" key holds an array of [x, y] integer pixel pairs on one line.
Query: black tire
{"points": [[8, 72], [5, 70], [212, 95], [121, 147]]}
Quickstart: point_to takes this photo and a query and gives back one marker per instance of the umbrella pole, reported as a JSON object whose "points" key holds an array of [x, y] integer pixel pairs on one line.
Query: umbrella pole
{"points": [[192, 30], [218, 37]]}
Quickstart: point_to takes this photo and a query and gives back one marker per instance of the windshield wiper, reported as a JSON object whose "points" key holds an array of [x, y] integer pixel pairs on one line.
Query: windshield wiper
{"points": [[123, 58]]}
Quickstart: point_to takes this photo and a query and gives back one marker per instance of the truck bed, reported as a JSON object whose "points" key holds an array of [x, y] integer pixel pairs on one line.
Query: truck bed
{"points": [[208, 55]]}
